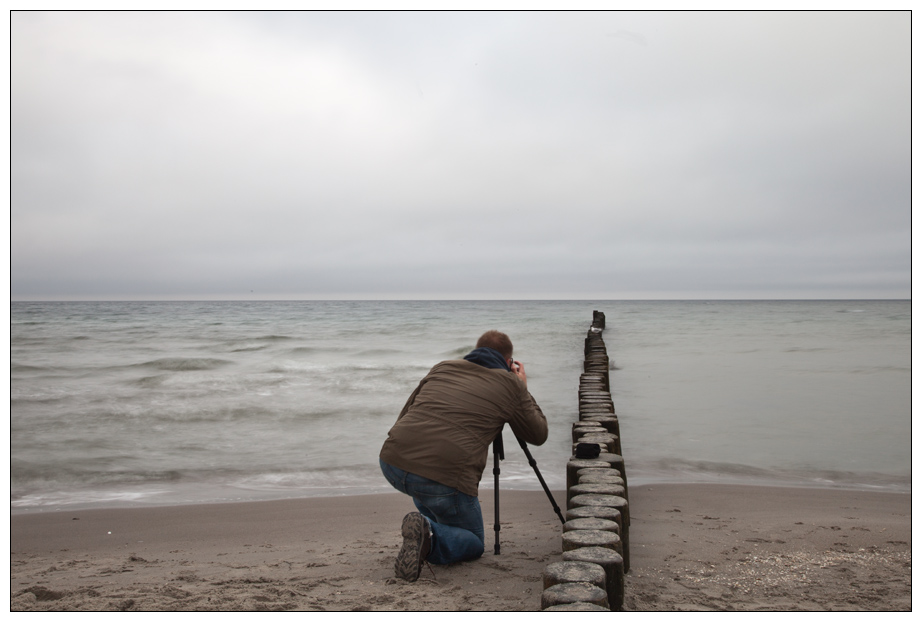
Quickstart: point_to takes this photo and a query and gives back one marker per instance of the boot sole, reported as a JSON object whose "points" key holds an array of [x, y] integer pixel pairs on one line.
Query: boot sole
{"points": [[409, 559]]}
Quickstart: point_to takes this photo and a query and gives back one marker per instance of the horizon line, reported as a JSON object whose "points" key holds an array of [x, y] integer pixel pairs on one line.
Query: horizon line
{"points": [[472, 299]]}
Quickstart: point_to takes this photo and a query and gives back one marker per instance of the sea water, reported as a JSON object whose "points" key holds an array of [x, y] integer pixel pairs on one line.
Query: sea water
{"points": [[127, 403]]}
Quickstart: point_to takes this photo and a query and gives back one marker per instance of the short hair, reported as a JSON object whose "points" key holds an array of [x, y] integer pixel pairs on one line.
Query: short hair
{"points": [[498, 341]]}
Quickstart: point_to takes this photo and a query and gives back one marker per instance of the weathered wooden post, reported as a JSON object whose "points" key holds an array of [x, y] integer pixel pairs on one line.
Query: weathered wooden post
{"points": [[595, 534]]}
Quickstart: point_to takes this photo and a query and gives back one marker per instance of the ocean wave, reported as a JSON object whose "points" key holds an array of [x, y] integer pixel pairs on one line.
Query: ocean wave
{"points": [[302, 350], [385, 367], [299, 481], [185, 364], [19, 367], [377, 352], [240, 413], [149, 382], [82, 498], [249, 349], [23, 341], [457, 352], [44, 399], [45, 489], [27, 477], [712, 472], [882, 369], [345, 371]]}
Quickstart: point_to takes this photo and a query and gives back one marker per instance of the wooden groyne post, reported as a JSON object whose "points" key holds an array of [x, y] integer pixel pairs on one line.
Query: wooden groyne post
{"points": [[596, 533]]}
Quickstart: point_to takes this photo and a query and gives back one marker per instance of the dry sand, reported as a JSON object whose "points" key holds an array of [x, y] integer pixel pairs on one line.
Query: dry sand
{"points": [[693, 547], [733, 548]]}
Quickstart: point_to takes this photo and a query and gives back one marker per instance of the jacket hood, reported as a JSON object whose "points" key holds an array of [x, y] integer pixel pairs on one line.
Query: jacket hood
{"points": [[489, 358]]}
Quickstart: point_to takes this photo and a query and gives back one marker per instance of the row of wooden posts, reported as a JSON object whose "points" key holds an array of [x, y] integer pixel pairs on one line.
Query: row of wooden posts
{"points": [[595, 542]]}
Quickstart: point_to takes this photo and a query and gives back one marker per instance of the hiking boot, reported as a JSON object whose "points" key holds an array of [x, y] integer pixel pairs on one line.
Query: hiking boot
{"points": [[415, 549]]}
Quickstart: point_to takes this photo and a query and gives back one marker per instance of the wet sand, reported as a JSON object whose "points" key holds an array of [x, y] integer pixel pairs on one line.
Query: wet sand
{"points": [[693, 547]]}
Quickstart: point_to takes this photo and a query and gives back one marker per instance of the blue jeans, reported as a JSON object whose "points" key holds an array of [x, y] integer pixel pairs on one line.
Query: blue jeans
{"points": [[455, 518]]}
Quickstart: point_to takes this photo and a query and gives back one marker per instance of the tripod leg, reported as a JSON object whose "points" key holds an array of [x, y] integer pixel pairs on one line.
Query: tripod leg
{"points": [[496, 501], [534, 465], [497, 456]]}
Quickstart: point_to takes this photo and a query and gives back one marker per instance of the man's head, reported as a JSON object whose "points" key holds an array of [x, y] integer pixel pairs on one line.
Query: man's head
{"points": [[498, 341]]}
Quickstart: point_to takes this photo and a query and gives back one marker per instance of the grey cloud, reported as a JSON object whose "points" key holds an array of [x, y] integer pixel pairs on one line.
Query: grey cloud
{"points": [[391, 154]]}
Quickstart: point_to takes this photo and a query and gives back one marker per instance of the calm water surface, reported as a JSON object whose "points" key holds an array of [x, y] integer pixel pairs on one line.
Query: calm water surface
{"points": [[140, 403]]}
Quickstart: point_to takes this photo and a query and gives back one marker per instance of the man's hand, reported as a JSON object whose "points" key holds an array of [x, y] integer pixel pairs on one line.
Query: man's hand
{"points": [[519, 370]]}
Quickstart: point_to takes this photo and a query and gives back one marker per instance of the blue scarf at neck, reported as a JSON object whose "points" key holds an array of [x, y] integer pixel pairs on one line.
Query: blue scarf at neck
{"points": [[489, 358]]}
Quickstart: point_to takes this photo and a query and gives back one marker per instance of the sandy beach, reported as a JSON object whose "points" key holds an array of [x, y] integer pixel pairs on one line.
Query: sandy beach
{"points": [[693, 547]]}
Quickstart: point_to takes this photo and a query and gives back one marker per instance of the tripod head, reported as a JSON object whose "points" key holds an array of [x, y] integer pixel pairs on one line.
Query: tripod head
{"points": [[498, 445]]}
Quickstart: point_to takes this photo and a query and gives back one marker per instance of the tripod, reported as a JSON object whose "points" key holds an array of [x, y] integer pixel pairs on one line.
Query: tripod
{"points": [[499, 455]]}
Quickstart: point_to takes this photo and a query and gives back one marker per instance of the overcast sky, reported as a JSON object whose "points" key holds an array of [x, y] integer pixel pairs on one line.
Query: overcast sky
{"points": [[460, 155]]}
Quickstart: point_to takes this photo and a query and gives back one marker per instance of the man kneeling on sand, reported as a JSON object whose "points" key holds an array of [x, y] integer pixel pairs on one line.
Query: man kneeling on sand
{"points": [[437, 450]]}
